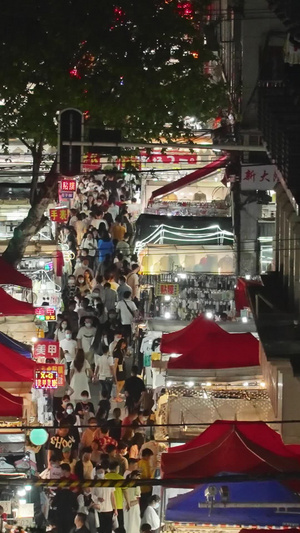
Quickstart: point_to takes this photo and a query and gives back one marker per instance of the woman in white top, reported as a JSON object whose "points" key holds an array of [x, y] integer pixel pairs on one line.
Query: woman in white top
{"points": [[80, 371], [60, 332], [132, 516], [89, 243], [69, 347], [105, 369], [150, 515]]}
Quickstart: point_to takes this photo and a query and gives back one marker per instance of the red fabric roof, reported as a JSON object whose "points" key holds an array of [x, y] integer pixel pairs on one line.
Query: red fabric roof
{"points": [[176, 342], [9, 306], [240, 293], [11, 276], [233, 447], [15, 363], [205, 345], [190, 178], [9, 376], [10, 405]]}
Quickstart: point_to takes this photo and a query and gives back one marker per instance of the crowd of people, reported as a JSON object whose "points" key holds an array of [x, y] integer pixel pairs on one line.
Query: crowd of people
{"points": [[113, 439]]}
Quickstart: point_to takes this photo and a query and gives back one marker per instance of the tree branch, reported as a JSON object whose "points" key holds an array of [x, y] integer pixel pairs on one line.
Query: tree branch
{"points": [[31, 148]]}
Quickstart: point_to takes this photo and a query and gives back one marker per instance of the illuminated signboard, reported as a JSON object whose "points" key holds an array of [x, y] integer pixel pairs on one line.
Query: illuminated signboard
{"points": [[49, 376], [59, 215], [47, 349], [166, 289], [68, 185], [45, 313]]}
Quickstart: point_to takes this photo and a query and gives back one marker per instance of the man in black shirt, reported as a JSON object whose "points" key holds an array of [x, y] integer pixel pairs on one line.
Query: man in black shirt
{"points": [[134, 388], [62, 439], [65, 506]]}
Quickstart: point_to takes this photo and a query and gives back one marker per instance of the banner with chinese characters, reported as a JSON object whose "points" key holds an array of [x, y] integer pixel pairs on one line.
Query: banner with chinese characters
{"points": [[169, 156], [91, 161], [68, 185], [45, 313], [47, 349], [166, 289], [49, 376], [258, 177], [59, 215]]}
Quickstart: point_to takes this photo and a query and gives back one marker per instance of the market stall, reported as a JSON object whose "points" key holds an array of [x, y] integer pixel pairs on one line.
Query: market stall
{"points": [[230, 446], [265, 504]]}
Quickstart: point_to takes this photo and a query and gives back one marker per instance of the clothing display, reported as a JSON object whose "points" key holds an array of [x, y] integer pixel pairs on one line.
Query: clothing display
{"points": [[195, 294]]}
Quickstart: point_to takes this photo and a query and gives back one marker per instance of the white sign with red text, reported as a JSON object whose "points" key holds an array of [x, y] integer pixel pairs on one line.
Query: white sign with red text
{"points": [[259, 177]]}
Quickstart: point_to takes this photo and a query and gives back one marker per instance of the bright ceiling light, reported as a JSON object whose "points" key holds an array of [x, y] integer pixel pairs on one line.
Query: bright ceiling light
{"points": [[209, 315], [167, 314]]}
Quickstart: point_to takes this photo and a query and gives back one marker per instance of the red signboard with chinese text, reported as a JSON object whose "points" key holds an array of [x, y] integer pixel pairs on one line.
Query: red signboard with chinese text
{"points": [[45, 313], [91, 161], [68, 185], [166, 289], [258, 177], [49, 376], [170, 157], [47, 349], [59, 215]]}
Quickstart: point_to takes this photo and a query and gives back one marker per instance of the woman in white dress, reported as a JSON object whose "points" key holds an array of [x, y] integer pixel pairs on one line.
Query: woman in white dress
{"points": [[80, 371], [132, 517]]}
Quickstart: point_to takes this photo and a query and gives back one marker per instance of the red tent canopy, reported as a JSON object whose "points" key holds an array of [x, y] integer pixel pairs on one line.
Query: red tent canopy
{"points": [[11, 276], [233, 447], [10, 405], [16, 363], [205, 345], [182, 340], [240, 293], [9, 306], [9, 376]]}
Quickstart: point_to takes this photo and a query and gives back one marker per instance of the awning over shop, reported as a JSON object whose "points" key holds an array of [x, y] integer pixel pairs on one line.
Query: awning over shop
{"points": [[18, 363], [230, 446], [240, 293], [205, 345], [9, 306], [10, 405], [199, 174], [185, 508], [11, 276], [17, 346]]}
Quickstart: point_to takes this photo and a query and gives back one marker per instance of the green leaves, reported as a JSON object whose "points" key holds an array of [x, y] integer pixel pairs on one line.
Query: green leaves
{"points": [[139, 65]]}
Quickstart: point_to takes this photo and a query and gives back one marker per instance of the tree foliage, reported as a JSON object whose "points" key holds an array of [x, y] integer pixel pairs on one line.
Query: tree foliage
{"points": [[133, 65]]}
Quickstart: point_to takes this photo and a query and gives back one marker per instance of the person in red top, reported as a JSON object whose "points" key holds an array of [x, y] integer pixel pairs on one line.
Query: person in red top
{"points": [[127, 432], [102, 437]]}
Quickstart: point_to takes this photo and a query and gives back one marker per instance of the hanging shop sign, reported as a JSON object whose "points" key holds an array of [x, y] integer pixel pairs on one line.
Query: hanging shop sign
{"points": [[67, 195], [166, 289], [68, 185], [258, 177], [49, 376], [45, 313], [59, 215], [49, 350]]}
